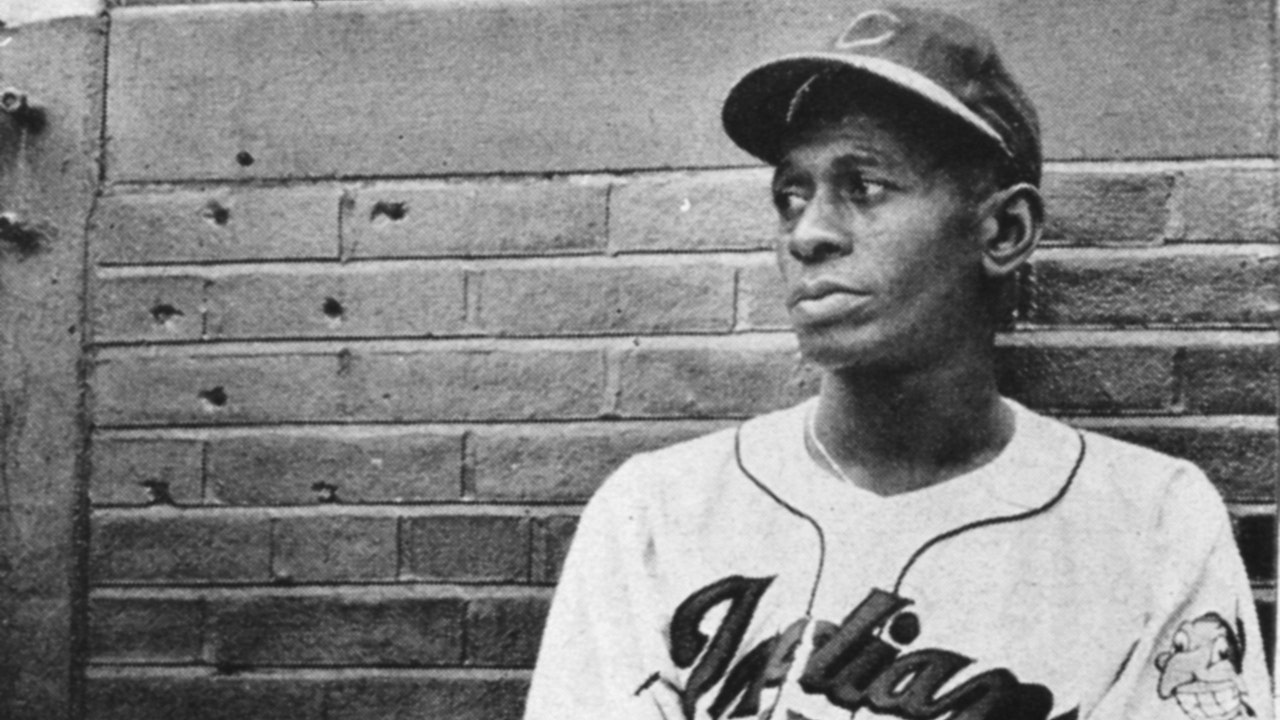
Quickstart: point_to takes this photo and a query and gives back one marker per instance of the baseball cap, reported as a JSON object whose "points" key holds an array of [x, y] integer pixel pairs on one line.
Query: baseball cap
{"points": [[929, 54]]}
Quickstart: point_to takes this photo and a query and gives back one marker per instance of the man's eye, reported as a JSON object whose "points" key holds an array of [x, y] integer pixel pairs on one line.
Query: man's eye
{"points": [[860, 189], [790, 203]]}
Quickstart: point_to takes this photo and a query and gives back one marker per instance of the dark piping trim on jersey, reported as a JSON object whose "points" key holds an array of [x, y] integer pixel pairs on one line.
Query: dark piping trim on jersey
{"points": [[822, 539], [988, 522]]}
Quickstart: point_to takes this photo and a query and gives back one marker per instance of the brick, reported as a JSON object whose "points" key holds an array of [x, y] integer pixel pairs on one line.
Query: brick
{"points": [[762, 296], [149, 694], [122, 464], [165, 545], [202, 697], [276, 467], [200, 389], [224, 223], [456, 696], [1230, 203], [1088, 208], [479, 548], [455, 382], [609, 86], [1230, 378], [1255, 532], [369, 628], [1238, 454], [551, 539], [145, 630], [476, 218], [358, 300], [561, 462], [154, 308], [329, 548], [1234, 285], [561, 382], [1076, 376], [751, 375], [505, 631], [724, 210], [648, 296]]}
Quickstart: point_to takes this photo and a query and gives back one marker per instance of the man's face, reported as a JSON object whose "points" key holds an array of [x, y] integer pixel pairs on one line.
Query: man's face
{"points": [[878, 249]]}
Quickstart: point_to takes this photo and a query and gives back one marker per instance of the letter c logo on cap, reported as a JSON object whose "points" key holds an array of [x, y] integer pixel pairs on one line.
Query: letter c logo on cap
{"points": [[872, 27]]}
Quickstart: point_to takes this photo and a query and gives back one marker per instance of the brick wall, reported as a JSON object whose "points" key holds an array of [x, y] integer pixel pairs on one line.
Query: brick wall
{"points": [[381, 291]]}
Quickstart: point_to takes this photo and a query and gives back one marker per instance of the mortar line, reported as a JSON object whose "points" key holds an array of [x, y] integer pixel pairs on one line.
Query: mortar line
{"points": [[1159, 164]]}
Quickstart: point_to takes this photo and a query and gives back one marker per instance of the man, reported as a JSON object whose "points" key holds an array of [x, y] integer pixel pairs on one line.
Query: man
{"points": [[908, 544]]}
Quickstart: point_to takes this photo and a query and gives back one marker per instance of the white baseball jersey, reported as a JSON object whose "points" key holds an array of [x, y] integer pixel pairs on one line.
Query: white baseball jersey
{"points": [[1074, 576]]}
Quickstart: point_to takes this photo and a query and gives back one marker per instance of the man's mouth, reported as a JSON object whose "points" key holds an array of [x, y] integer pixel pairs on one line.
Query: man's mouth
{"points": [[1210, 700], [823, 300]]}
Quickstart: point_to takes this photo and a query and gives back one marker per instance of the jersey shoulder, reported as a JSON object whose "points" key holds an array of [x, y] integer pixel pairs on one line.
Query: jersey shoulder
{"points": [[1140, 474], [1147, 492]]}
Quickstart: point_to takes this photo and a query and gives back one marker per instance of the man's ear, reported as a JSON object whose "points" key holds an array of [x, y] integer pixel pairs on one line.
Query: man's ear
{"points": [[1011, 229]]}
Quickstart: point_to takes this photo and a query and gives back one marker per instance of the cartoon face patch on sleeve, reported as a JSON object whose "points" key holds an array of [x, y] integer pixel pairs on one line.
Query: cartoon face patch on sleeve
{"points": [[1202, 669]]}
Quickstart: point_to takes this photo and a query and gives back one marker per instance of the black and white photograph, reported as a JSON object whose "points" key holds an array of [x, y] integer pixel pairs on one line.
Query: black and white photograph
{"points": [[639, 359]]}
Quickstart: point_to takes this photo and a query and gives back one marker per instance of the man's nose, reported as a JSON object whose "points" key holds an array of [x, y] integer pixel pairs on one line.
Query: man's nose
{"points": [[819, 234]]}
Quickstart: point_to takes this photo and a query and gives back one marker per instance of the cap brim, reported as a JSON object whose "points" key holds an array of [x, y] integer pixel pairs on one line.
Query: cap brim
{"points": [[758, 109]]}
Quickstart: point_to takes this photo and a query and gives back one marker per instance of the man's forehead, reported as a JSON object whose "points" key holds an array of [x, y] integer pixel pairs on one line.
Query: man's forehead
{"points": [[863, 138]]}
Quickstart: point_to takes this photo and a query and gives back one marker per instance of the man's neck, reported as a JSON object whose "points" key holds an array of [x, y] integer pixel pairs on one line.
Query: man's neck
{"points": [[893, 432]]}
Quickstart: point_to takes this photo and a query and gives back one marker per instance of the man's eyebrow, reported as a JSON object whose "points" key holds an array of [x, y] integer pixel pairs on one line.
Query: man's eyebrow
{"points": [[852, 161], [859, 159]]}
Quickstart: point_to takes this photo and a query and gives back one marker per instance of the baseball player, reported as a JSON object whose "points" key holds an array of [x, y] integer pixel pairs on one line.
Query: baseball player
{"points": [[908, 544]]}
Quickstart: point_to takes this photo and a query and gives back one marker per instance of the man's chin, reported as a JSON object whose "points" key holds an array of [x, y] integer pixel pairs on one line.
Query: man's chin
{"points": [[836, 351]]}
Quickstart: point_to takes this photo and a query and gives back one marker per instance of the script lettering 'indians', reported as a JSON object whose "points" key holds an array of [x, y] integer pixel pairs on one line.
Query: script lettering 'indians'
{"points": [[851, 665]]}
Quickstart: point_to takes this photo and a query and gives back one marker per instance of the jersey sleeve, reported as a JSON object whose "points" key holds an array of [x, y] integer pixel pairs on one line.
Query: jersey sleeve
{"points": [[603, 641], [1200, 655]]}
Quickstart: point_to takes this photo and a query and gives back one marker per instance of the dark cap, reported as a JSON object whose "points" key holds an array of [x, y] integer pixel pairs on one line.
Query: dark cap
{"points": [[930, 54]]}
